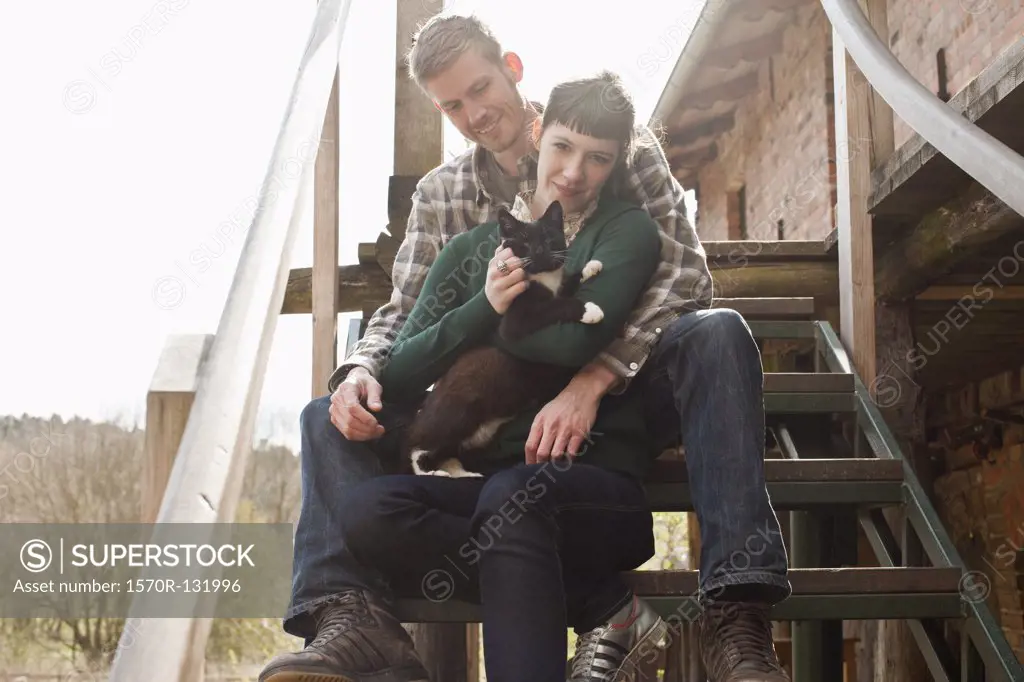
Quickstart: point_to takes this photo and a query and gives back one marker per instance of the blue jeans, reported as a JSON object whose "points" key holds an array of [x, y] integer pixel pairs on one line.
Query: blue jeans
{"points": [[541, 547], [702, 387]]}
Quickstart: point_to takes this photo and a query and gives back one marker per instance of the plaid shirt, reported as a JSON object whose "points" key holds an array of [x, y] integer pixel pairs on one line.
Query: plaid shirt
{"points": [[453, 198]]}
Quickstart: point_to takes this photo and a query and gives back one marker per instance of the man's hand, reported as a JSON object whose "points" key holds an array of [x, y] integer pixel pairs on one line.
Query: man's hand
{"points": [[347, 411], [561, 426], [564, 423]]}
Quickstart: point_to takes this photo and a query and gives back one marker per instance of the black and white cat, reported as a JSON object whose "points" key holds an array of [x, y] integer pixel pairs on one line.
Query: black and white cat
{"points": [[487, 387]]}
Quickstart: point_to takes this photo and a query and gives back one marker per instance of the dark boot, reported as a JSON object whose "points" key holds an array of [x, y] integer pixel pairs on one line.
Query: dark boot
{"points": [[357, 640], [736, 644]]}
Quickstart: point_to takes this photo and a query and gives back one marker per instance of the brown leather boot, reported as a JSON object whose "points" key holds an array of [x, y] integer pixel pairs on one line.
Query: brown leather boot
{"points": [[357, 640], [736, 644]]}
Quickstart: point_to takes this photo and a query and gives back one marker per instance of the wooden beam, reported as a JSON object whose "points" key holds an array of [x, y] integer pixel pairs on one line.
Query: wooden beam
{"points": [[325, 248], [694, 158], [942, 240], [168, 404], [957, 292], [684, 137], [752, 51], [757, 8], [368, 286], [359, 286], [729, 91]]}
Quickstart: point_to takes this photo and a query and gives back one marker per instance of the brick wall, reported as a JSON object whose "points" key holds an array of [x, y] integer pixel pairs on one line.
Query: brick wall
{"points": [[981, 502], [973, 502], [779, 147], [971, 32]]}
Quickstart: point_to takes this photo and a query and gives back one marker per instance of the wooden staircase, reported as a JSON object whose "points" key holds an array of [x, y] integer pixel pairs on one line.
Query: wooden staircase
{"points": [[834, 472], [834, 466]]}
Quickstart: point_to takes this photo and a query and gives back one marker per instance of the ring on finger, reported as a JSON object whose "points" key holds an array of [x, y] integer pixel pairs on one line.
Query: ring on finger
{"points": [[503, 267]]}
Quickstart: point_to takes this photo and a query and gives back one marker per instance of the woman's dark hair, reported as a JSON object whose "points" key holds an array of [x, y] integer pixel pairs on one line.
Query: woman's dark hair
{"points": [[597, 106]]}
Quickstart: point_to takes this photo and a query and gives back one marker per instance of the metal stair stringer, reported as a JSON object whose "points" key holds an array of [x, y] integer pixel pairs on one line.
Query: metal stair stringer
{"points": [[985, 643]]}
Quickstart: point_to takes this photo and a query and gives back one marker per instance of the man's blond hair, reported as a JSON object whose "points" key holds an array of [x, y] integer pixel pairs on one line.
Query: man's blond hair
{"points": [[443, 39]]}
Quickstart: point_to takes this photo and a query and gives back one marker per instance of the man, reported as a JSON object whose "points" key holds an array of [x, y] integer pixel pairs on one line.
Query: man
{"points": [[699, 371]]}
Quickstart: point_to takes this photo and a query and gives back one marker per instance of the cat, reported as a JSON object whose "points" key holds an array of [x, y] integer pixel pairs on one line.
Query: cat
{"points": [[486, 386]]}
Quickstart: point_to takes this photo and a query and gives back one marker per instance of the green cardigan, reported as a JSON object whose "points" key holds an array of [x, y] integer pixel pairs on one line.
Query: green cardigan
{"points": [[452, 314]]}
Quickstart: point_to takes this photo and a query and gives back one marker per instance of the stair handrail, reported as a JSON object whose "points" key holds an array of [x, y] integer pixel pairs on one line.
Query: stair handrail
{"points": [[986, 159], [205, 481], [981, 625]]}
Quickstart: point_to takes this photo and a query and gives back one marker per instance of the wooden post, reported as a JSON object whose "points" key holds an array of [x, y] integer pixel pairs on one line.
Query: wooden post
{"points": [[325, 249], [865, 139], [168, 403], [445, 648], [857, 151], [419, 138]]}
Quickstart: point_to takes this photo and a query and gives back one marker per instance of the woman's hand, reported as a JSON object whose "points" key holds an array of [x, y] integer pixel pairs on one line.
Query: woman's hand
{"points": [[503, 285]]}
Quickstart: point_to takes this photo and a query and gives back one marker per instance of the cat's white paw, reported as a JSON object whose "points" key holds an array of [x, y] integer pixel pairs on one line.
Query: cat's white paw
{"points": [[453, 468], [439, 472], [592, 313], [591, 269]]}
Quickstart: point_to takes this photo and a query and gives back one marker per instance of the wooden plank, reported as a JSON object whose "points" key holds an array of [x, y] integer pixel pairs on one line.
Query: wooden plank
{"points": [[796, 470], [819, 280], [808, 382], [918, 178], [810, 403], [678, 609], [168, 404], [325, 249], [738, 253], [952, 293], [818, 581], [769, 308], [814, 496], [359, 286]]}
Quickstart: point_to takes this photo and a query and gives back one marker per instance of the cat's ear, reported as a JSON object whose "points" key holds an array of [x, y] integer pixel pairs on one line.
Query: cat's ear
{"points": [[554, 214], [508, 226]]}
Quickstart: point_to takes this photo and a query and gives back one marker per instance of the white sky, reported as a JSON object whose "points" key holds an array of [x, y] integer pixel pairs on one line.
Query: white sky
{"points": [[131, 129]]}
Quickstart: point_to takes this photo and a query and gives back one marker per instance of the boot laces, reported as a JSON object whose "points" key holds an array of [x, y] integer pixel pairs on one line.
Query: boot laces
{"points": [[744, 635], [346, 609]]}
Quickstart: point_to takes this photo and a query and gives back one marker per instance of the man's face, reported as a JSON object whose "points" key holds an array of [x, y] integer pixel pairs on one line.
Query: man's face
{"points": [[480, 99]]}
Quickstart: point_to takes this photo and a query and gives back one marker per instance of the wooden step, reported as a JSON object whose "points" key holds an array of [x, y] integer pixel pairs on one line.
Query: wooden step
{"points": [[770, 308], [733, 253], [818, 594], [809, 392], [793, 483]]}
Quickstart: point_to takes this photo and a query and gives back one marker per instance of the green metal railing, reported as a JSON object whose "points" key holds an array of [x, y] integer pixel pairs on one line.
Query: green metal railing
{"points": [[983, 641]]}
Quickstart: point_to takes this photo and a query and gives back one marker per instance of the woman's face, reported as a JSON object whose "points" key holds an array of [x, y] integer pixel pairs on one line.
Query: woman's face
{"points": [[572, 168]]}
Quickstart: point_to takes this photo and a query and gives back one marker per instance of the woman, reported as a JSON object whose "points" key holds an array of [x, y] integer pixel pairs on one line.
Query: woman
{"points": [[540, 546]]}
